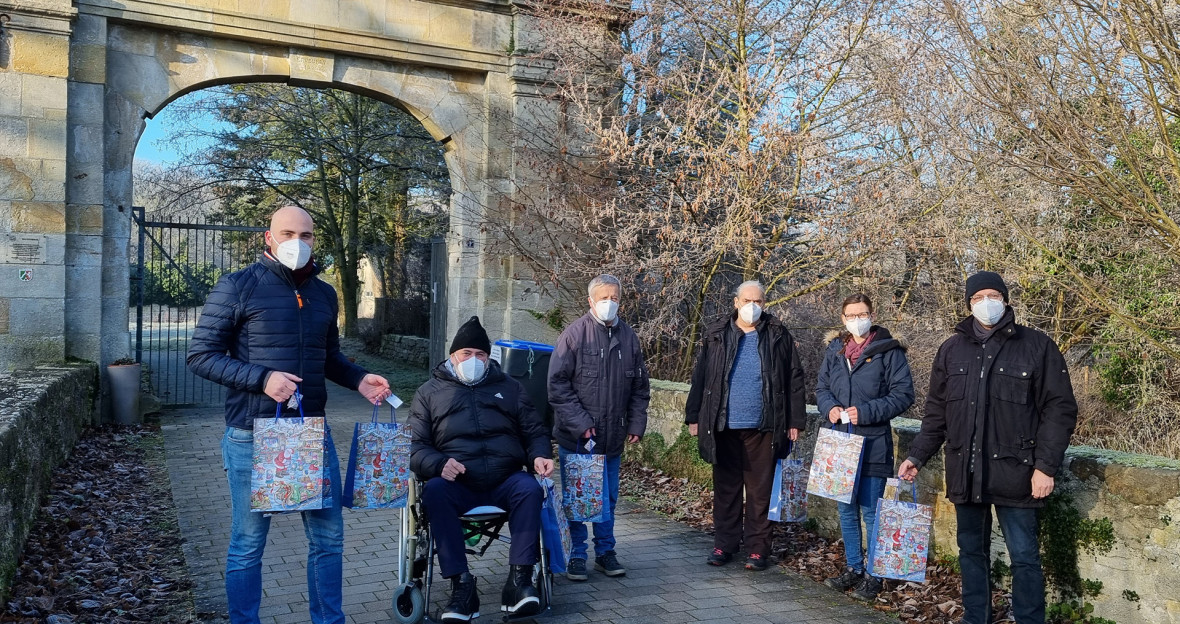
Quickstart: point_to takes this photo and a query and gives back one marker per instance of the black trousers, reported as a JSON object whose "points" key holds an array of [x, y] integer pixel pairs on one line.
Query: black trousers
{"points": [[744, 462]]}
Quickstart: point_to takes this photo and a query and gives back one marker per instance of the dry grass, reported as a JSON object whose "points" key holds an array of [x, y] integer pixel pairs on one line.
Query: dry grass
{"points": [[1148, 430]]}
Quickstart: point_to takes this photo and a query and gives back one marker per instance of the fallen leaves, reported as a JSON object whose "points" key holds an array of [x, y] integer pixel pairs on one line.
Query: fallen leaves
{"points": [[105, 546], [936, 600]]}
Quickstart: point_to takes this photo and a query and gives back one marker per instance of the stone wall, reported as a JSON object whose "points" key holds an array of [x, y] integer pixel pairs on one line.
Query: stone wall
{"points": [[408, 349], [1139, 494], [42, 413]]}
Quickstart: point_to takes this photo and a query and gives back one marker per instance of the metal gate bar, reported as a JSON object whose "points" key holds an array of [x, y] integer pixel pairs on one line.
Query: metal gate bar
{"points": [[179, 262]]}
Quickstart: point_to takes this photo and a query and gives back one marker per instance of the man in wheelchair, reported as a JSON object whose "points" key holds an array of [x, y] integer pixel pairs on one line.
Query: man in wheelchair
{"points": [[474, 429]]}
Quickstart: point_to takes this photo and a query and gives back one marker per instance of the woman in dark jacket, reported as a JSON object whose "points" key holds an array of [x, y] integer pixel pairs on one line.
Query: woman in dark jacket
{"points": [[865, 381]]}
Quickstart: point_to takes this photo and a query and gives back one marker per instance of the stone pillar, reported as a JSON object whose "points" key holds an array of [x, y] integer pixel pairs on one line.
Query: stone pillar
{"points": [[34, 65], [84, 188]]}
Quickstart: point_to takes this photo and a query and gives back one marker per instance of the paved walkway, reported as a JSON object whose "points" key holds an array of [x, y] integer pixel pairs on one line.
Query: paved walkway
{"points": [[667, 580]]}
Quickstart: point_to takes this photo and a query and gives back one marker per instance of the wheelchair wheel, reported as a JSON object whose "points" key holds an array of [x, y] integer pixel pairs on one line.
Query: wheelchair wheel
{"points": [[409, 606]]}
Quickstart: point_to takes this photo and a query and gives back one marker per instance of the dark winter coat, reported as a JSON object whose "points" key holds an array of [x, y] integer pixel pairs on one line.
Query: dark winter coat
{"points": [[597, 379], [257, 321], [1004, 408], [491, 428], [880, 387], [782, 383]]}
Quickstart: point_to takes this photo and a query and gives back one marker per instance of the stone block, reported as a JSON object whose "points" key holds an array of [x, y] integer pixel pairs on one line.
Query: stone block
{"points": [[85, 104], [37, 317], [84, 346], [142, 80], [90, 30], [21, 352], [1141, 485], [88, 63], [39, 53], [49, 183], [14, 183], [314, 67], [84, 183], [131, 40], [14, 138], [3, 315], [47, 140], [39, 93], [363, 15], [10, 100], [45, 217], [46, 280], [81, 315], [85, 219]]}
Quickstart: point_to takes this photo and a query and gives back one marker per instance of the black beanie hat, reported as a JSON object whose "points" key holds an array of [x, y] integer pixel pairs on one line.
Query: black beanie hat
{"points": [[471, 335], [984, 280]]}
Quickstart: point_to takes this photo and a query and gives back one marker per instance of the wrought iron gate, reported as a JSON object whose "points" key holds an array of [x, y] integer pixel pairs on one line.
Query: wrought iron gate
{"points": [[177, 264]]}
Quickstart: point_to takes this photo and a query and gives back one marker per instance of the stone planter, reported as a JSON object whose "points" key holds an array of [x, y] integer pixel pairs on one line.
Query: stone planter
{"points": [[124, 384]]}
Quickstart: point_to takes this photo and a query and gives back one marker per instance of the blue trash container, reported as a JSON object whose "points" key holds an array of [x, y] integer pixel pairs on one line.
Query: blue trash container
{"points": [[528, 363]]}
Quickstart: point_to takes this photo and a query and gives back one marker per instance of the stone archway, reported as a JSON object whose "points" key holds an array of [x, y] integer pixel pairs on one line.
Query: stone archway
{"points": [[86, 78]]}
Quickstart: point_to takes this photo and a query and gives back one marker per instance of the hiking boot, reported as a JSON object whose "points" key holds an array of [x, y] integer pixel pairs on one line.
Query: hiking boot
{"points": [[520, 597], [464, 604], [609, 565], [868, 589], [845, 581], [575, 570], [756, 562], [719, 557]]}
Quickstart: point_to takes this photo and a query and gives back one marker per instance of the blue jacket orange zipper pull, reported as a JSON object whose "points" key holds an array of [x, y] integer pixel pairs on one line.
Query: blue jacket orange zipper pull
{"points": [[299, 298]]}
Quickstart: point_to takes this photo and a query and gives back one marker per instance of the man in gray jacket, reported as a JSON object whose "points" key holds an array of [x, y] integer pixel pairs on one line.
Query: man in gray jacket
{"points": [[599, 391]]}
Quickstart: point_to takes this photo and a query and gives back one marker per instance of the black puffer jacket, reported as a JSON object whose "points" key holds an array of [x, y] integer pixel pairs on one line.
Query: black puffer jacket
{"points": [[491, 428], [879, 386], [782, 383], [597, 379], [1004, 407], [257, 321]]}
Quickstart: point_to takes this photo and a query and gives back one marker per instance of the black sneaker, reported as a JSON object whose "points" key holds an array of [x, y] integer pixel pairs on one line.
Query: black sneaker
{"points": [[575, 570], [464, 604], [756, 562], [609, 565], [868, 589], [845, 581], [719, 557], [520, 597]]}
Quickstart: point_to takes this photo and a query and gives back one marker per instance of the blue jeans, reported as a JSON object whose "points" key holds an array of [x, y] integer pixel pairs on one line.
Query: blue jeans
{"points": [[324, 529], [864, 504], [1019, 526], [604, 532]]}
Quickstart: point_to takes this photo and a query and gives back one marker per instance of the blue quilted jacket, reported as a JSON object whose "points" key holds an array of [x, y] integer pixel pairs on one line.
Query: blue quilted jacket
{"points": [[257, 321]]}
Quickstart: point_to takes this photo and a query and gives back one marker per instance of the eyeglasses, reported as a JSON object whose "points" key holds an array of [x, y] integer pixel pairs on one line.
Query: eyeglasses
{"points": [[860, 317], [977, 298]]}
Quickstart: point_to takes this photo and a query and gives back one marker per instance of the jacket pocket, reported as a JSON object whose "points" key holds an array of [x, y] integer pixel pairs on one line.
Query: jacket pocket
{"points": [[956, 471], [1011, 472], [956, 381], [1012, 382]]}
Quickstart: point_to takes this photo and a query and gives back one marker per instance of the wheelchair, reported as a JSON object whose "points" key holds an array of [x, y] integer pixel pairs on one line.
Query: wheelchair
{"points": [[415, 569]]}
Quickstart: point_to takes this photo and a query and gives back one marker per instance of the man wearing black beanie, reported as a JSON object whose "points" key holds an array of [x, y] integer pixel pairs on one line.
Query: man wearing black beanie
{"points": [[474, 429], [1001, 399]]}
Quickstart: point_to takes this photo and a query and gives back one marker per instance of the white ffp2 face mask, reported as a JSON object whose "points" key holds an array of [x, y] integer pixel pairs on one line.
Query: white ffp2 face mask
{"points": [[293, 254], [858, 327], [750, 313], [988, 311], [606, 310], [470, 370]]}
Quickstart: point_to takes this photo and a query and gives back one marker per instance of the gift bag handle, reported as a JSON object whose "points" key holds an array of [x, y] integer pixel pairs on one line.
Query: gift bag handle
{"points": [[392, 413], [835, 425], [913, 490], [298, 401]]}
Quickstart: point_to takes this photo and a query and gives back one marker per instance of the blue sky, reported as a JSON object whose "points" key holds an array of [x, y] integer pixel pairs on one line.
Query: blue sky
{"points": [[148, 150]]}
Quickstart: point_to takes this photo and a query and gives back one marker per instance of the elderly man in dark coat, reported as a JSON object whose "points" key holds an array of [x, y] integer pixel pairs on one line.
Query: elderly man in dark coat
{"points": [[599, 390]]}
